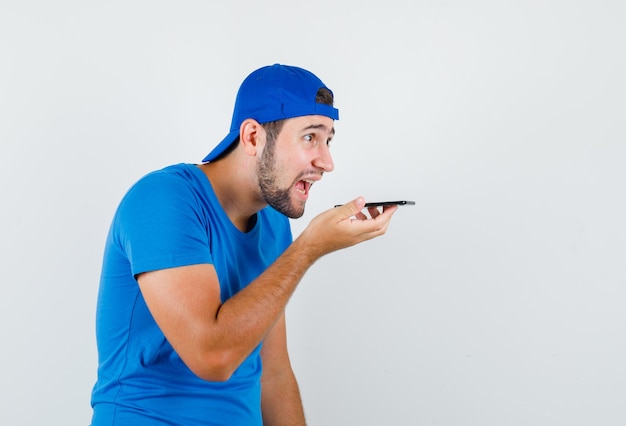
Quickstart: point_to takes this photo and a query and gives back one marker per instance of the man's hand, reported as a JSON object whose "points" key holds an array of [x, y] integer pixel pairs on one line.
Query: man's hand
{"points": [[345, 226]]}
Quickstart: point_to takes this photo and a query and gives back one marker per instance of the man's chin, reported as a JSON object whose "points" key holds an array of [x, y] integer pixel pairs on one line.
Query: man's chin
{"points": [[290, 207], [293, 211], [296, 216]]}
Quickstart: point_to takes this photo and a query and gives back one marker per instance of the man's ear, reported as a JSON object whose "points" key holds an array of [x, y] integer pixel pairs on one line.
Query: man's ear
{"points": [[252, 136]]}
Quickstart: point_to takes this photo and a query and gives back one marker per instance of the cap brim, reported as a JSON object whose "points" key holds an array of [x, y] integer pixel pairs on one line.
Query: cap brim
{"points": [[222, 146]]}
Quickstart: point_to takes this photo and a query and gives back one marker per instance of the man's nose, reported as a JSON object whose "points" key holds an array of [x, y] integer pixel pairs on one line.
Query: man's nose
{"points": [[324, 159]]}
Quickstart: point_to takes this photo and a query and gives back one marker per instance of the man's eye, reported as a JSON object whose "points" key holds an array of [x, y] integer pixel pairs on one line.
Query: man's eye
{"points": [[308, 138]]}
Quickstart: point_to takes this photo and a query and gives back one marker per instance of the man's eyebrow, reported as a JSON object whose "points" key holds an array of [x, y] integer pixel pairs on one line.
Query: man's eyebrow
{"points": [[320, 126]]}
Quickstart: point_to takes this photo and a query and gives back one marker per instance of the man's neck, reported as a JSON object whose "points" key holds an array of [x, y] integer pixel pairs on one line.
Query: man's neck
{"points": [[234, 190]]}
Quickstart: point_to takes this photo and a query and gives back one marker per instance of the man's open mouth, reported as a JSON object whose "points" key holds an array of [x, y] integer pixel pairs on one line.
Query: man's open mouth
{"points": [[303, 186]]}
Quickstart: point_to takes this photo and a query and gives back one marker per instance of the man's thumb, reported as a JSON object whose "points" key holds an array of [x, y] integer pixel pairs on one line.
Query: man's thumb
{"points": [[355, 206]]}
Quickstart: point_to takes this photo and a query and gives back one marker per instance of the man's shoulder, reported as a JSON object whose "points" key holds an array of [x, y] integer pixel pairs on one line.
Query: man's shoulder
{"points": [[175, 175]]}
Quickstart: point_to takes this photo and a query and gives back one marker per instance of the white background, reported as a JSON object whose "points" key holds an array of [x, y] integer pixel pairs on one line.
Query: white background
{"points": [[499, 299]]}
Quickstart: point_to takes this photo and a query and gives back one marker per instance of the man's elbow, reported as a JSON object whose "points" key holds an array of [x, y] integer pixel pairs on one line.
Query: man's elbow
{"points": [[215, 367]]}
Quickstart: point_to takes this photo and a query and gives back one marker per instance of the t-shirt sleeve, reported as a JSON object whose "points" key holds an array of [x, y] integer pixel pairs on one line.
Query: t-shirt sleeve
{"points": [[161, 225]]}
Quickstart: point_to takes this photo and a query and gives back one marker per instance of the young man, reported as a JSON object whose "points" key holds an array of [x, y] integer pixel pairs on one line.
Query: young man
{"points": [[199, 265]]}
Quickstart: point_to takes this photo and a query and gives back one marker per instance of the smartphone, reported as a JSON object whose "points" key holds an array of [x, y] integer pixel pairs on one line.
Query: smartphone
{"points": [[386, 203]]}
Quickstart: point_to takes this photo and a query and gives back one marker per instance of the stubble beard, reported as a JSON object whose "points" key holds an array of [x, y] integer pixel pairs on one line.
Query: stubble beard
{"points": [[278, 198]]}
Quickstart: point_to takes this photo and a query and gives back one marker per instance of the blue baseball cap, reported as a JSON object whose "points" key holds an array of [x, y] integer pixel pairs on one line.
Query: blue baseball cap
{"points": [[271, 93]]}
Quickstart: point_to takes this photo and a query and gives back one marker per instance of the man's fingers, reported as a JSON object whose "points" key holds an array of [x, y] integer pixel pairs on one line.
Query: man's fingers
{"points": [[354, 207]]}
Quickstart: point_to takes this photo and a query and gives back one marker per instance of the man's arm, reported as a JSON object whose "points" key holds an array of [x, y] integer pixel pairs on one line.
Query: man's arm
{"points": [[280, 396], [214, 338]]}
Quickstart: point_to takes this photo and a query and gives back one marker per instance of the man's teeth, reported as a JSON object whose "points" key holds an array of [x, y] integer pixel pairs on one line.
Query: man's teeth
{"points": [[306, 185]]}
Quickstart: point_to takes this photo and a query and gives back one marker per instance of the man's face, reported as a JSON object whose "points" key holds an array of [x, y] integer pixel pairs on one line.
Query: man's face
{"points": [[290, 165]]}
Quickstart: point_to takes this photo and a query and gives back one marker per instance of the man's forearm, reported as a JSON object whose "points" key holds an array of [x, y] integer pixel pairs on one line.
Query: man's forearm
{"points": [[249, 315], [281, 403]]}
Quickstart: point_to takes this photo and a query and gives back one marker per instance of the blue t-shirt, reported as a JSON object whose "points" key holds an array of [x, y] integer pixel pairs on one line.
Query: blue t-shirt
{"points": [[172, 218]]}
